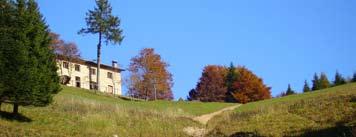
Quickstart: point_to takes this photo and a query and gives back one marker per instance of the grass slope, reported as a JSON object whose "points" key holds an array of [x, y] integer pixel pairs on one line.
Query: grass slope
{"points": [[78, 112], [329, 112]]}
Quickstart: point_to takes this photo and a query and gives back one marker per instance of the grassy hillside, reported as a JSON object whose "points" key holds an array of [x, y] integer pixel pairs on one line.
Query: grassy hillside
{"points": [[78, 112], [329, 112]]}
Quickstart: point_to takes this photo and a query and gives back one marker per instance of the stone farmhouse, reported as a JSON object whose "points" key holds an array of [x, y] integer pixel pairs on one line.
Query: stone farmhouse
{"points": [[82, 74]]}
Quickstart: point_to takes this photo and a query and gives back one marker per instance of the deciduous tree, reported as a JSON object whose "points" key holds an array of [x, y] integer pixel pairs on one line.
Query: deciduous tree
{"points": [[149, 77], [101, 21], [354, 77], [248, 87], [28, 70], [324, 82], [65, 51], [211, 86]]}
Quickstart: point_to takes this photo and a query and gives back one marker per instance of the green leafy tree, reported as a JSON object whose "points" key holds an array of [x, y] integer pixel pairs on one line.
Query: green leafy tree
{"points": [[28, 71], [324, 82], [339, 80], [231, 77], [316, 82], [290, 91], [101, 21], [306, 87]]}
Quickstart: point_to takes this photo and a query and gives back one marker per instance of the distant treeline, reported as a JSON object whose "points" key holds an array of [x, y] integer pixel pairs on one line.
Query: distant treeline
{"points": [[320, 82]]}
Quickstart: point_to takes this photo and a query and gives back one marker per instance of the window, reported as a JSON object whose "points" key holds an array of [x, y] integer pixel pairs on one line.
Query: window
{"points": [[92, 71], [65, 65], [77, 67], [77, 82], [110, 75]]}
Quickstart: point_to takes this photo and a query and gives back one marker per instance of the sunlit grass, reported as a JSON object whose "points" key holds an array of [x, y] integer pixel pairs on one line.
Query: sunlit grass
{"points": [[78, 112], [329, 112]]}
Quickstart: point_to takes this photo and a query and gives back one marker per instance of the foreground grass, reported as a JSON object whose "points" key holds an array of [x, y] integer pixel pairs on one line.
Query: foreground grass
{"points": [[77, 112], [329, 112]]}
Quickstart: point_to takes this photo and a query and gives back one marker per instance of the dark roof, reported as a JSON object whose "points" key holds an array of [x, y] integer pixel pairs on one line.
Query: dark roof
{"points": [[90, 63]]}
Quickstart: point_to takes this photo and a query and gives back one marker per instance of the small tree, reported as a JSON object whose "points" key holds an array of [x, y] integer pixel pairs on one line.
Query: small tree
{"points": [[316, 82], [28, 70], [306, 87], [290, 91], [324, 82], [101, 21], [339, 80]]}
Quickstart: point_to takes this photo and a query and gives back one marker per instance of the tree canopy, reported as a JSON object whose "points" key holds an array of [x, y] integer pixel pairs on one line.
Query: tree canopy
{"points": [[149, 77], [28, 67], [101, 21], [218, 82]]}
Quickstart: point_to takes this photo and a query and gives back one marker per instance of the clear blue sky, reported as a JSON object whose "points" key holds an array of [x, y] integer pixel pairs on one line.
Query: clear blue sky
{"points": [[282, 41]]}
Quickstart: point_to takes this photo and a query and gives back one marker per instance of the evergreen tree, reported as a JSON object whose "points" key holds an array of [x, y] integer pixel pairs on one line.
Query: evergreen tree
{"points": [[324, 82], [28, 71], [339, 80], [192, 95], [306, 87], [289, 90], [231, 77], [354, 78], [101, 21], [316, 82]]}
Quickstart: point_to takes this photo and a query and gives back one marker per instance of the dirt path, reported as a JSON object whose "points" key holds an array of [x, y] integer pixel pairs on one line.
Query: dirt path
{"points": [[203, 119]]}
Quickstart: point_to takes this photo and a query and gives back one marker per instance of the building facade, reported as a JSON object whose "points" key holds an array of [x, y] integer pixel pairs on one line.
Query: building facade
{"points": [[82, 74]]}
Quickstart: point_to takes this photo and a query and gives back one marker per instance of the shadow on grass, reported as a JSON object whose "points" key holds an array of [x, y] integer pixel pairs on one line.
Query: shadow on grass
{"points": [[338, 131], [12, 117], [245, 134]]}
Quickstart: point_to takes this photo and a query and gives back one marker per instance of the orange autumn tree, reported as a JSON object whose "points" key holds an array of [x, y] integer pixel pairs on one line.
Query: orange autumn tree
{"points": [[149, 78], [211, 87], [248, 87]]}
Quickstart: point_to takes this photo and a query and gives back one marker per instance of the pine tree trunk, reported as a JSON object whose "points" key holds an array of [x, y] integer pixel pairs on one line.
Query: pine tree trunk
{"points": [[98, 63], [16, 109]]}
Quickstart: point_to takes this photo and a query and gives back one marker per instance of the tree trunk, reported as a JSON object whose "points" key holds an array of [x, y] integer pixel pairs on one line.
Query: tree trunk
{"points": [[98, 63], [16, 109], [0, 105]]}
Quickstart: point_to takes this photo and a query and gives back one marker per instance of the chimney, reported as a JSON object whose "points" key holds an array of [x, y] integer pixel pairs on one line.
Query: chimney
{"points": [[114, 64]]}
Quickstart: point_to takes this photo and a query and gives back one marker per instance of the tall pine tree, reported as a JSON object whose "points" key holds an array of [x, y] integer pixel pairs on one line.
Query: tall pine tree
{"points": [[306, 87], [339, 80], [324, 82], [231, 77], [289, 90], [316, 82], [28, 70], [101, 21]]}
